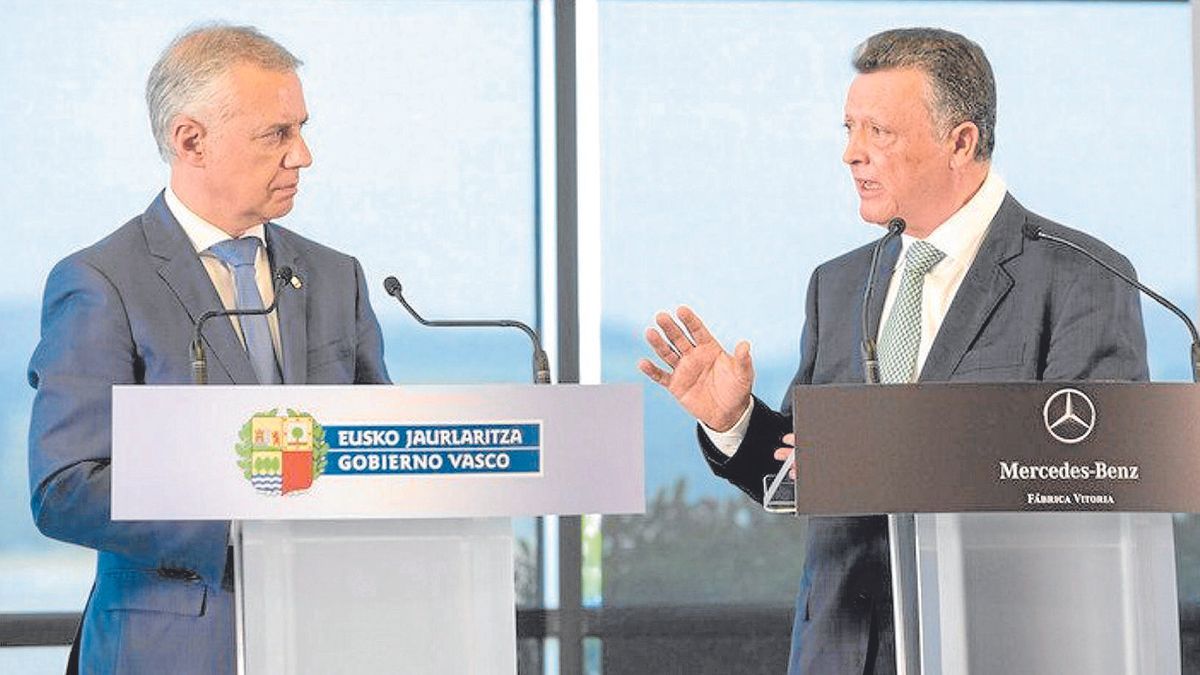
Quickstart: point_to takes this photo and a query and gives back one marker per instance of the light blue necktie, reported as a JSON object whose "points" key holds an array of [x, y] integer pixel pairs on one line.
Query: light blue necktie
{"points": [[240, 254], [900, 339]]}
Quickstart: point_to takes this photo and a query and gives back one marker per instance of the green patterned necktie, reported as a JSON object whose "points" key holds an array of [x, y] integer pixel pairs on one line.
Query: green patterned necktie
{"points": [[901, 336]]}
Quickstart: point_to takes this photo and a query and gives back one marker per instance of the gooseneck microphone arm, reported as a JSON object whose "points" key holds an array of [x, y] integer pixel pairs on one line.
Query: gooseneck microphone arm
{"points": [[895, 228], [283, 276], [541, 363], [1034, 232]]}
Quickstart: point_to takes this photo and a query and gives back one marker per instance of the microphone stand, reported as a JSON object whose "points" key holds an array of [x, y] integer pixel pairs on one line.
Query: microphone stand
{"points": [[541, 363], [902, 527], [895, 228], [1034, 232], [283, 275]]}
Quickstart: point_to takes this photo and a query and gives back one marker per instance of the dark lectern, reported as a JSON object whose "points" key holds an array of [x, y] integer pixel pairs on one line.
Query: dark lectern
{"points": [[1030, 522]]}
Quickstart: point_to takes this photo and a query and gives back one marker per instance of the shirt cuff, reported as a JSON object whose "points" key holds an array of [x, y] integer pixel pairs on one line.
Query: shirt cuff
{"points": [[728, 441]]}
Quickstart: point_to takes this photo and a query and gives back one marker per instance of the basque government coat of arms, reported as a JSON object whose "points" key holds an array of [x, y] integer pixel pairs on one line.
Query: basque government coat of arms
{"points": [[281, 454]]}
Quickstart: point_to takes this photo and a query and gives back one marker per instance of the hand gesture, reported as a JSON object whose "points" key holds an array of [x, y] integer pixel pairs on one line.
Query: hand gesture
{"points": [[709, 382]]}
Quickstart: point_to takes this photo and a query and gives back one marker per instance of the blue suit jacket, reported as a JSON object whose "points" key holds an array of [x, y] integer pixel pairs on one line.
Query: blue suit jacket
{"points": [[121, 312], [1026, 310]]}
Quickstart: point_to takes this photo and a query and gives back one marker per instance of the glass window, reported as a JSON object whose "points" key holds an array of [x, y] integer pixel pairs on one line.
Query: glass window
{"points": [[34, 660]]}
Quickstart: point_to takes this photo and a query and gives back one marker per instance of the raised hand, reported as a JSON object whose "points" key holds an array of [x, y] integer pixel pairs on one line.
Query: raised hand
{"points": [[709, 382]]}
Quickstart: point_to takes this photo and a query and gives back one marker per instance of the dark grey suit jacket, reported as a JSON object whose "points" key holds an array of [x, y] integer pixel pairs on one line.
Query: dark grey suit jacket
{"points": [[1026, 310], [121, 312]]}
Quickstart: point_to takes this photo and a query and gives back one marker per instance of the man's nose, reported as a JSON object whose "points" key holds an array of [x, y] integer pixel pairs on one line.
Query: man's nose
{"points": [[298, 156], [854, 153]]}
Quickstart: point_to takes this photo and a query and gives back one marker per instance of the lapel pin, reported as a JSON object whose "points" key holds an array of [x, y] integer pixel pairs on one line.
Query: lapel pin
{"points": [[296, 283]]}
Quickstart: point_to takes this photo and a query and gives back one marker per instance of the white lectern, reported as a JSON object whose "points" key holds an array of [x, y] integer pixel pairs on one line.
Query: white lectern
{"points": [[375, 532]]}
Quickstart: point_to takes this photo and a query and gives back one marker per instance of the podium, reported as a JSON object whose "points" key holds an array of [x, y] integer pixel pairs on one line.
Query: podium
{"points": [[1029, 523], [372, 523]]}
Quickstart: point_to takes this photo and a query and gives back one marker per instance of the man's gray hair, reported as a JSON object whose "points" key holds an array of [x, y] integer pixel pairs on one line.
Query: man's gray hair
{"points": [[960, 77], [186, 76]]}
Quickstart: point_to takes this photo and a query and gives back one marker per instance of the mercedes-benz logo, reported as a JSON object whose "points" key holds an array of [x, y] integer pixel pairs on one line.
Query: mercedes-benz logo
{"points": [[1069, 415]]}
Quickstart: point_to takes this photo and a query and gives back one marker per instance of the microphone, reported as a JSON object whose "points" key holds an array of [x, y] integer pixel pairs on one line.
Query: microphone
{"points": [[283, 277], [541, 363], [870, 359], [1034, 233]]}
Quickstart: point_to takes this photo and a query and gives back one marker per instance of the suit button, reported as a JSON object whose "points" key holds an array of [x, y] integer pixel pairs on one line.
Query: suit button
{"points": [[178, 574]]}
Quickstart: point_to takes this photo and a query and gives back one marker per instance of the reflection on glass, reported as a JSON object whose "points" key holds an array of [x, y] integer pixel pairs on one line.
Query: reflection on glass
{"points": [[592, 656], [525, 563], [529, 657]]}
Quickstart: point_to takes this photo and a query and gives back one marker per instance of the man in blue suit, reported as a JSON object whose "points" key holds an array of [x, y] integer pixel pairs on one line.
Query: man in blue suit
{"points": [[226, 109], [968, 298]]}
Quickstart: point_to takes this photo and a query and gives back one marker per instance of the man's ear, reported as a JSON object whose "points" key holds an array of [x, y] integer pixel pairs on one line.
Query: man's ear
{"points": [[964, 140], [188, 137]]}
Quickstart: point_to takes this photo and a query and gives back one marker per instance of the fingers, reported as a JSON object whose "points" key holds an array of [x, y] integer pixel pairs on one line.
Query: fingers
{"points": [[654, 372], [743, 362], [679, 341], [664, 350], [781, 455], [695, 326], [789, 441]]}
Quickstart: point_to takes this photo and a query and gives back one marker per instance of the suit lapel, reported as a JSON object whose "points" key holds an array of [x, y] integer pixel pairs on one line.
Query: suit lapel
{"points": [[183, 272], [981, 291], [291, 310]]}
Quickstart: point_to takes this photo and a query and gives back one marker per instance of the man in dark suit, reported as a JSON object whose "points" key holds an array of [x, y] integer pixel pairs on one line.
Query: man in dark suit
{"points": [[969, 298], [226, 109]]}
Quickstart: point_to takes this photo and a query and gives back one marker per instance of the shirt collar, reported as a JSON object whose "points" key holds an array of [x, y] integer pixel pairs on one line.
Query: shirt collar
{"points": [[961, 233], [199, 231]]}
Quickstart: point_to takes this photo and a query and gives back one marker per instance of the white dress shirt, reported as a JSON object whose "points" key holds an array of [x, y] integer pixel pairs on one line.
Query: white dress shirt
{"points": [[204, 234], [959, 237]]}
